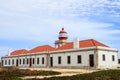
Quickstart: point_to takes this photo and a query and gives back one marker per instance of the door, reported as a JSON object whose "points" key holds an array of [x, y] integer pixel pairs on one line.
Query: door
{"points": [[30, 62], [91, 60], [51, 61], [17, 62]]}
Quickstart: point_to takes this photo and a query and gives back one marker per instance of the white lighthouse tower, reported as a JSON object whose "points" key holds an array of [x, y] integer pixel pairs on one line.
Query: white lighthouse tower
{"points": [[62, 38]]}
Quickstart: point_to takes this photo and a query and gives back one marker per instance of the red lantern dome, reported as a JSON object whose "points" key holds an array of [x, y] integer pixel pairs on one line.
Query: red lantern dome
{"points": [[63, 35]]}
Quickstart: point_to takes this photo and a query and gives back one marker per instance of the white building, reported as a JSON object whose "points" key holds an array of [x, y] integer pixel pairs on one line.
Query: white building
{"points": [[77, 54]]}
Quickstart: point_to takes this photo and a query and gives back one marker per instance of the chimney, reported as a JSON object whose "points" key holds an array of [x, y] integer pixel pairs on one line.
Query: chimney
{"points": [[76, 43], [9, 54]]}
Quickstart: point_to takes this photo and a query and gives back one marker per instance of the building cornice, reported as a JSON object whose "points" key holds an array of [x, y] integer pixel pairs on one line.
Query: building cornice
{"points": [[67, 50]]}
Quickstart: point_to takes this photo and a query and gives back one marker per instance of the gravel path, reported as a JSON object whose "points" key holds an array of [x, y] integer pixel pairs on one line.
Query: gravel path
{"points": [[64, 72], [41, 77]]}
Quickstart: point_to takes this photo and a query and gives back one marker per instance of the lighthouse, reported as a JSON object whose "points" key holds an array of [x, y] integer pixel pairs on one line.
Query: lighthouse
{"points": [[62, 38]]}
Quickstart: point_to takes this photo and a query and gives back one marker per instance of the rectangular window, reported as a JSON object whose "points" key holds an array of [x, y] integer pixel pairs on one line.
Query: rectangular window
{"points": [[79, 59], [9, 62], [20, 61], [103, 57], [42, 60], [2, 62], [27, 61], [13, 61], [23, 61], [113, 58], [5, 62], [37, 60], [17, 62], [59, 60], [68, 59], [33, 60]]}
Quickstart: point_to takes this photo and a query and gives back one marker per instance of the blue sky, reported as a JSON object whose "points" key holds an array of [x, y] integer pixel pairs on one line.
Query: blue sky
{"points": [[25, 24]]}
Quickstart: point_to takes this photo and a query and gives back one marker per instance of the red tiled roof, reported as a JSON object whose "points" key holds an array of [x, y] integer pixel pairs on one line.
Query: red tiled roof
{"points": [[82, 44], [66, 46], [90, 43], [17, 52], [42, 49]]}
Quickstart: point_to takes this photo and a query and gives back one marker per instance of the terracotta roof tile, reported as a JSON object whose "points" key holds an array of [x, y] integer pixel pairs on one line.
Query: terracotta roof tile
{"points": [[66, 46], [17, 52], [82, 44], [90, 43], [42, 49]]}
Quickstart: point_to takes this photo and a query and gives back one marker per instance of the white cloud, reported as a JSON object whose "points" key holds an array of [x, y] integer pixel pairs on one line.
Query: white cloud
{"points": [[36, 19], [41, 20], [63, 7], [48, 30]]}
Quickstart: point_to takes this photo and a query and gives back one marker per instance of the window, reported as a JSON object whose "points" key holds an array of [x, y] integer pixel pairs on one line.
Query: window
{"points": [[20, 61], [27, 60], [103, 57], [2, 62], [9, 62], [5, 62], [33, 60], [68, 59], [37, 60], [113, 58], [17, 62], [13, 61], [42, 60], [23, 61], [59, 60], [79, 59]]}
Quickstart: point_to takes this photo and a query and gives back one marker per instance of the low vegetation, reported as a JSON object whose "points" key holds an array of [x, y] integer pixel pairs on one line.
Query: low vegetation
{"points": [[100, 75], [14, 73]]}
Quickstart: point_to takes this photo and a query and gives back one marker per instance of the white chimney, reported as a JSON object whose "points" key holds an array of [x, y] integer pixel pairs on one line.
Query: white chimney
{"points": [[9, 53], [76, 43]]}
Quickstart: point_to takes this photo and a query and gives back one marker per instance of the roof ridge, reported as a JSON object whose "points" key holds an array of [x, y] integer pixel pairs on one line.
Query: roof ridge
{"points": [[86, 39], [93, 42], [44, 45], [20, 49]]}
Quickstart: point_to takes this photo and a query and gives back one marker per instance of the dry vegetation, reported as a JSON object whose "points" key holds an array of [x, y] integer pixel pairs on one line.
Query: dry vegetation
{"points": [[15, 74], [100, 75], [12, 73]]}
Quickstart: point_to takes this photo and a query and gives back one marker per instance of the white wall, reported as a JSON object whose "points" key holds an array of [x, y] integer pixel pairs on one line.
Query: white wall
{"points": [[13, 58], [84, 57], [108, 63], [40, 61], [7, 63], [25, 57]]}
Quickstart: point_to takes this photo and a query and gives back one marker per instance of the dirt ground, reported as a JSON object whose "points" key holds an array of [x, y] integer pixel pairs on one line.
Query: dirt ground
{"points": [[64, 72]]}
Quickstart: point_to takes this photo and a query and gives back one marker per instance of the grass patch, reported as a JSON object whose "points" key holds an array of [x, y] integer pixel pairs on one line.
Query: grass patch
{"points": [[14, 73], [100, 75]]}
